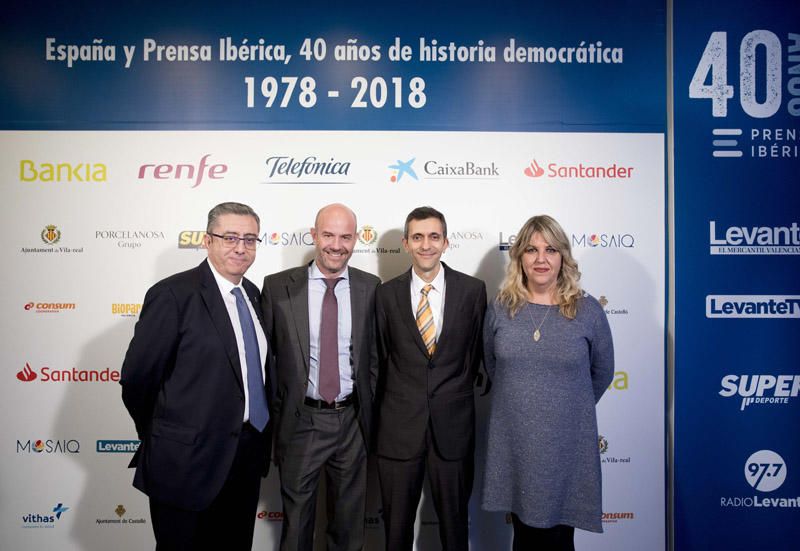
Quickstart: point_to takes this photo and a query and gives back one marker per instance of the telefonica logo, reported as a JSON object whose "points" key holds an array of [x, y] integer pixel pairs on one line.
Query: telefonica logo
{"points": [[753, 306], [754, 240], [282, 169], [760, 389]]}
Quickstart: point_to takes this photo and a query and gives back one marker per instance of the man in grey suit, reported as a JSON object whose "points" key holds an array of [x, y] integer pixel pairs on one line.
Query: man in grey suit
{"points": [[322, 323], [430, 324]]}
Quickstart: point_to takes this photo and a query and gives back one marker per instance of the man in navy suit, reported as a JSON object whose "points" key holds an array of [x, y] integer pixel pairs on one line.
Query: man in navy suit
{"points": [[193, 381], [430, 323], [325, 385]]}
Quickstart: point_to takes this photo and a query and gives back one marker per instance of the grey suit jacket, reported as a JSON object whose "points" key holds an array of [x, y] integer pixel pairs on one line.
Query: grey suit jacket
{"points": [[415, 389], [285, 307]]}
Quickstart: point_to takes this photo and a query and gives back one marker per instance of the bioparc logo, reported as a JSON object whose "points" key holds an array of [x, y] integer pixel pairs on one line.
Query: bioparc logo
{"points": [[44, 519], [760, 389], [193, 173], [765, 472], [120, 513], [49, 375], [754, 240], [609, 459], [48, 307], [48, 446], [578, 171], [126, 309], [753, 306], [283, 169]]}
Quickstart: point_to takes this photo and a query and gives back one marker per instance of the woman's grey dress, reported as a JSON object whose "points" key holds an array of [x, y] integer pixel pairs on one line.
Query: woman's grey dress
{"points": [[542, 457]]}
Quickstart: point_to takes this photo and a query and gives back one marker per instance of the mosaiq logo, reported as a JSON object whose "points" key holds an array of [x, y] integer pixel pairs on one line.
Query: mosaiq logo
{"points": [[48, 446], [604, 240], [760, 389], [754, 240], [288, 239], [282, 169], [765, 471], [579, 171]]}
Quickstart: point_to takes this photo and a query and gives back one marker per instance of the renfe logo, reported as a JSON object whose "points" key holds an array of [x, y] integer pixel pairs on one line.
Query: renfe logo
{"points": [[753, 306], [741, 240], [185, 171]]}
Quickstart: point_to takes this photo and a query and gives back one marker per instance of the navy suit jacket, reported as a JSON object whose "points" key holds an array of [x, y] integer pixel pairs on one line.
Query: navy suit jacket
{"points": [[415, 390], [182, 385]]}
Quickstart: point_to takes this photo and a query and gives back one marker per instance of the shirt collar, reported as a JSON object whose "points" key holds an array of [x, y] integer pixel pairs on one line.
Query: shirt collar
{"points": [[224, 285], [315, 273], [417, 283]]}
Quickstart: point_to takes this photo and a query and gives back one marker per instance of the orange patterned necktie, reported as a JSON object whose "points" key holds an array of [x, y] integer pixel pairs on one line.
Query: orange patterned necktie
{"points": [[425, 321]]}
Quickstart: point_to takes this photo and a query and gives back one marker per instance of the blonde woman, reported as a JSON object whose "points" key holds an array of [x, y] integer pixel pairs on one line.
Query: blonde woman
{"points": [[549, 352]]}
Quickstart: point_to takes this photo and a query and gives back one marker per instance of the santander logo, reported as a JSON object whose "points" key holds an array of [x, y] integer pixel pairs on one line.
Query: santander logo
{"points": [[533, 170], [27, 374]]}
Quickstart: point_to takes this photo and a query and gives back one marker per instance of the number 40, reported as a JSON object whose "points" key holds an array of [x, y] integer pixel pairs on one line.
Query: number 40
{"points": [[715, 61]]}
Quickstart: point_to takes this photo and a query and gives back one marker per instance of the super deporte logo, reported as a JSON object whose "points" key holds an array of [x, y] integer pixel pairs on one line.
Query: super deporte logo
{"points": [[760, 389]]}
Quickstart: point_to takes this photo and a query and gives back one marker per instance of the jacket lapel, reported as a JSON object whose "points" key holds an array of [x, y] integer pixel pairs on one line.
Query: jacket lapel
{"points": [[453, 302], [403, 297], [297, 290], [220, 318], [358, 311]]}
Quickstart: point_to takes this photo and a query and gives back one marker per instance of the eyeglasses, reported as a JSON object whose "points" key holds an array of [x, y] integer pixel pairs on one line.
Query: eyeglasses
{"points": [[229, 241]]}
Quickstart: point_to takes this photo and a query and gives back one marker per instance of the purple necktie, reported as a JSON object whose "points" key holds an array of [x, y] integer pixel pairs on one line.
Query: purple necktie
{"points": [[329, 344]]}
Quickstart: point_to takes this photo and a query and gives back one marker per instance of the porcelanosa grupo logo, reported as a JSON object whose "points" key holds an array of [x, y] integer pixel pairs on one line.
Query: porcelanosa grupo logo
{"points": [[753, 306], [762, 390], [283, 169], [579, 171], [49, 375], [754, 240], [402, 168], [129, 239]]}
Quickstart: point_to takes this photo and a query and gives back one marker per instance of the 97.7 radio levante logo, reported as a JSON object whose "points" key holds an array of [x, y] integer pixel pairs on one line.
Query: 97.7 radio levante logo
{"points": [[766, 88], [765, 471]]}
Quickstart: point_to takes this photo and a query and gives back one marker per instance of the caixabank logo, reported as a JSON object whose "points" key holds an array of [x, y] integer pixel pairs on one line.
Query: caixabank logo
{"points": [[760, 390], [50, 375], [44, 519], [765, 471], [577, 171]]}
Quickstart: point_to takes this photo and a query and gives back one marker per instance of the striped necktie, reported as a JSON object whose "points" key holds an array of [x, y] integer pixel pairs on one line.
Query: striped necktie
{"points": [[425, 321]]}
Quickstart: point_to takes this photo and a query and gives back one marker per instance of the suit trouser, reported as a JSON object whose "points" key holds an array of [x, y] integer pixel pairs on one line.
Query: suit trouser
{"points": [[328, 440], [228, 522], [401, 488]]}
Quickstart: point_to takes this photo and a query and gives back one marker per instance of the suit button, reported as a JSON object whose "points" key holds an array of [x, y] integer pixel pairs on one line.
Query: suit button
{"points": [[297, 414], [235, 433]]}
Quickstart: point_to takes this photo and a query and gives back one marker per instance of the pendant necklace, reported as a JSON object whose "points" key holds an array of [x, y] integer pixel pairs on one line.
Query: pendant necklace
{"points": [[537, 334]]}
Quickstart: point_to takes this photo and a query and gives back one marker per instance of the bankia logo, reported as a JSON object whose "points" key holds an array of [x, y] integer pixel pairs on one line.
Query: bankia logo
{"points": [[49, 307], [603, 240], [62, 172], [47, 519], [401, 168], [760, 389], [753, 306], [754, 240], [117, 446], [765, 471], [283, 169], [74, 375], [620, 381], [579, 171], [194, 173], [49, 446]]}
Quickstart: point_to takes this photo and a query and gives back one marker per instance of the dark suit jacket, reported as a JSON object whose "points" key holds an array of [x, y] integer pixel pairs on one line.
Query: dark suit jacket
{"points": [[182, 384], [413, 388], [284, 299]]}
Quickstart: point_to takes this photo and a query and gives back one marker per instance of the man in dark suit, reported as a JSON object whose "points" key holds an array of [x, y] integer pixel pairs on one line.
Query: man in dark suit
{"points": [[430, 322], [193, 381], [322, 322]]}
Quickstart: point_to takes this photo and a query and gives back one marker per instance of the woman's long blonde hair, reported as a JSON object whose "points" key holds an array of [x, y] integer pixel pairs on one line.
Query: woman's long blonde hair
{"points": [[514, 291]]}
